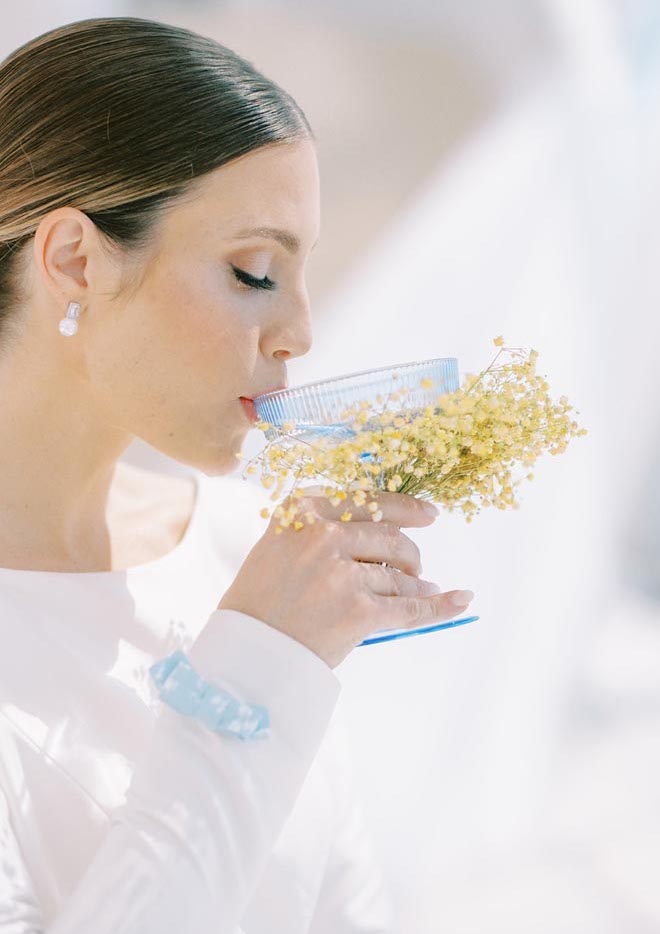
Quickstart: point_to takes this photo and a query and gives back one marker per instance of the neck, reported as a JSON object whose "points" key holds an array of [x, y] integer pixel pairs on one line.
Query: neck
{"points": [[58, 459]]}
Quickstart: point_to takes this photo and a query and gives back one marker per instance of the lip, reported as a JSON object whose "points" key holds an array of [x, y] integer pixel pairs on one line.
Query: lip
{"points": [[249, 408], [263, 392]]}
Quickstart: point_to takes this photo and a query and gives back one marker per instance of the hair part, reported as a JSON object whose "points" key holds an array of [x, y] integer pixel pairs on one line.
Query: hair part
{"points": [[119, 117]]}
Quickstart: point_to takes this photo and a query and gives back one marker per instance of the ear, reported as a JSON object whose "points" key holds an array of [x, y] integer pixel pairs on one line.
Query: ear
{"points": [[67, 253]]}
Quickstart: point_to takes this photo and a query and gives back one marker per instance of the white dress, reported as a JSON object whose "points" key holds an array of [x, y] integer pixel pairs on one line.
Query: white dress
{"points": [[119, 815]]}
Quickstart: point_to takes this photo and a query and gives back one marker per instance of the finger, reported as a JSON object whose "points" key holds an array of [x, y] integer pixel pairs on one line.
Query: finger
{"points": [[401, 509], [392, 583], [405, 612], [382, 542]]}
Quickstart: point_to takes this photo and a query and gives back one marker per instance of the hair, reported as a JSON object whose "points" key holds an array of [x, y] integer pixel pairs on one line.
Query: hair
{"points": [[118, 117]]}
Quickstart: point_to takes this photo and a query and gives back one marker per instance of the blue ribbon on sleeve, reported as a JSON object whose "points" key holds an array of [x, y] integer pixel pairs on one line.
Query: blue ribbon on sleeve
{"points": [[184, 689]]}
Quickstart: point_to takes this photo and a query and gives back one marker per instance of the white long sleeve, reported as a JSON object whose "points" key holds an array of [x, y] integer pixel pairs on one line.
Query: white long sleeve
{"points": [[353, 898], [203, 811], [19, 911]]}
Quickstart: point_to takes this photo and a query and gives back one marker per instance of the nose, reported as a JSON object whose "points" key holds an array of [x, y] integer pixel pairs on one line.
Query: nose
{"points": [[291, 336]]}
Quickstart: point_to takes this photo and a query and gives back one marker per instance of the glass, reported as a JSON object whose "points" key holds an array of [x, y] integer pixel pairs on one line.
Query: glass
{"points": [[319, 409]]}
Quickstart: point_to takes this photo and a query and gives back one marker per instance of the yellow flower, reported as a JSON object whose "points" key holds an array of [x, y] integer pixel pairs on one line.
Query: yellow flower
{"points": [[470, 450]]}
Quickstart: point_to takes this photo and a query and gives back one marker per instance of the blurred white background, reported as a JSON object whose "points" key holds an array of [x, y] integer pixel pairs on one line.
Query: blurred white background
{"points": [[492, 168]]}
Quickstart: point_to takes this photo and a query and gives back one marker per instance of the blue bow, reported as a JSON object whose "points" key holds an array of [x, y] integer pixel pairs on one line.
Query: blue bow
{"points": [[182, 688]]}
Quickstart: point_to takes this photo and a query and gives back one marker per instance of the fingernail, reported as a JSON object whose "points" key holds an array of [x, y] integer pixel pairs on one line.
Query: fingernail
{"points": [[430, 508], [461, 597]]}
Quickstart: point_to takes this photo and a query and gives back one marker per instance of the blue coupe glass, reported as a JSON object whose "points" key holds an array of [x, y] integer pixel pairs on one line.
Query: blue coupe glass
{"points": [[326, 409]]}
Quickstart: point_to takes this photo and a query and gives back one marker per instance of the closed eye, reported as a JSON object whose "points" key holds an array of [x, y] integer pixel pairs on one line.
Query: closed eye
{"points": [[251, 281]]}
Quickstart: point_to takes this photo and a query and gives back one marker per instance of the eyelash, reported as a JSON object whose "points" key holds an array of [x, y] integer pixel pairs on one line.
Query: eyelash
{"points": [[251, 281]]}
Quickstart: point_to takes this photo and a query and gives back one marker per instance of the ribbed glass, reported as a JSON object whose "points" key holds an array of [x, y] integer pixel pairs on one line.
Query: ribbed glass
{"points": [[317, 408]]}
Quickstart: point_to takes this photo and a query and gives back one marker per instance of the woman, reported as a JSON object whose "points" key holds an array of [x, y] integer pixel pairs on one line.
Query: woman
{"points": [[158, 202]]}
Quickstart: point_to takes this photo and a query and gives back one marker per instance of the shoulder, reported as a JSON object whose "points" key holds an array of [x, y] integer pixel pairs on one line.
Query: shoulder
{"points": [[232, 505], [160, 504], [139, 490], [231, 502], [236, 493]]}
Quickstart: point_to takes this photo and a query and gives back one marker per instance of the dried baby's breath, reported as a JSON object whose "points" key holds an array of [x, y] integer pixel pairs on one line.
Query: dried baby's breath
{"points": [[459, 453]]}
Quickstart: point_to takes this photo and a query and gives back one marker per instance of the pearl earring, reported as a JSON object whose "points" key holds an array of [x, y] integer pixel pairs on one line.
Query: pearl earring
{"points": [[69, 326]]}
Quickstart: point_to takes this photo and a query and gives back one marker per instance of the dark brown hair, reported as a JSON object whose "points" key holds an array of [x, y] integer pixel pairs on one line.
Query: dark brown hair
{"points": [[117, 116]]}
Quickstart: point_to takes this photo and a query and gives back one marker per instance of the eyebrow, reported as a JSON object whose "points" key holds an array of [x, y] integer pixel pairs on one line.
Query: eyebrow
{"points": [[288, 240]]}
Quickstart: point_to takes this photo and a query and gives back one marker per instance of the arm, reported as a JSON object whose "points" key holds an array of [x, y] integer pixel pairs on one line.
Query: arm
{"points": [[353, 898], [19, 911], [203, 811]]}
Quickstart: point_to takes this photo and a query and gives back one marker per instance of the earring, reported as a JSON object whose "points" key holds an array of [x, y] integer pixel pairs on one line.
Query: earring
{"points": [[69, 326]]}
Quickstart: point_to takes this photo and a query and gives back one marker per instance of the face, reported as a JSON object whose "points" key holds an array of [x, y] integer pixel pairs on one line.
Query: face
{"points": [[168, 360]]}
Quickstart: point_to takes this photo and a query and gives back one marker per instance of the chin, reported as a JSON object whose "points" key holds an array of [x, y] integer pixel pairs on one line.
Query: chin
{"points": [[222, 462], [216, 454]]}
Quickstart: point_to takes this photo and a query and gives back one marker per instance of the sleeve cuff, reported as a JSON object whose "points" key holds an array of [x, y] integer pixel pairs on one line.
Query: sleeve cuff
{"points": [[260, 664]]}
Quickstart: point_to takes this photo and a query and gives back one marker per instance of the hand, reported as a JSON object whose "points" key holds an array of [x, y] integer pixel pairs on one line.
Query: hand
{"points": [[322, 584]]}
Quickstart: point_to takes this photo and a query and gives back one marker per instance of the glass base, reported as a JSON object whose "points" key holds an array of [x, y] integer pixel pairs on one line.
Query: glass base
{"points": [[386, 635]]}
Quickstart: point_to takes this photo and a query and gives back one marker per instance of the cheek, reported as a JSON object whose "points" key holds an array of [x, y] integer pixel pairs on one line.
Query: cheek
{"points": [[212, 330], [191, 333]]}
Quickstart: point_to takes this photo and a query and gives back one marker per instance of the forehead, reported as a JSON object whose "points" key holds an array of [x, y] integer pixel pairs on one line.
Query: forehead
{"points": [[275, 186]]}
